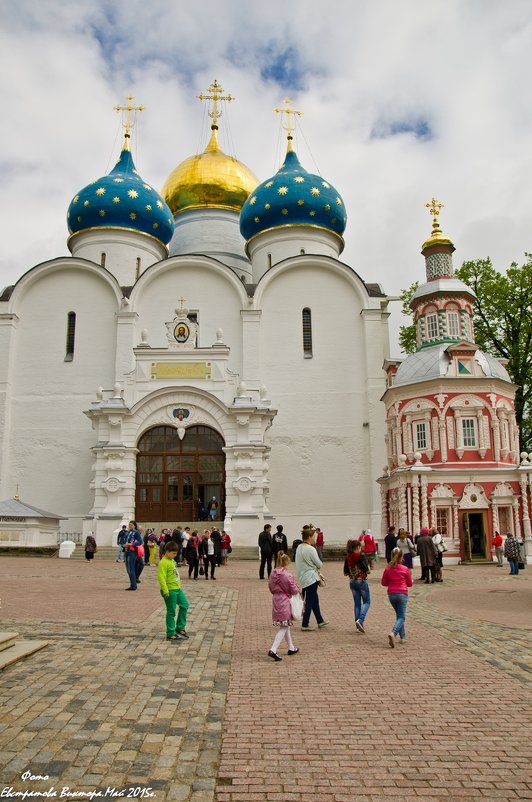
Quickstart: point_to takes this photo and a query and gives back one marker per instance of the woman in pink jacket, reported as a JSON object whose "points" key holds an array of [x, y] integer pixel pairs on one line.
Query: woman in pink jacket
{"points": [[282, 586], [397, 578]]}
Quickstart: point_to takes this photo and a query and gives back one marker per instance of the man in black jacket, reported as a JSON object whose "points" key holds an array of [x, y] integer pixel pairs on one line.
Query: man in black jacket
{"points": [[217, 540], [390, 542], [279, 544], [265, 546]]}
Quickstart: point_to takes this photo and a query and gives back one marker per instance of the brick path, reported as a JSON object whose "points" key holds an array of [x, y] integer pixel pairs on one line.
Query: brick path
{"points": [[110, 702]]}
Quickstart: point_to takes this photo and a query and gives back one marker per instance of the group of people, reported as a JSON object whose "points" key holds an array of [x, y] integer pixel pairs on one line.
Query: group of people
{"points": [[396, 577], [202, 553], [272, 544], [208, 511], [509, 547], [361, 554], [428, 545], [283, 587]]}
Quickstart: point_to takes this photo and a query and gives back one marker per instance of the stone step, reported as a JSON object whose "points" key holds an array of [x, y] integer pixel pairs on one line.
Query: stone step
{"points": [[103, 553], [13, 650], [7, 639]]}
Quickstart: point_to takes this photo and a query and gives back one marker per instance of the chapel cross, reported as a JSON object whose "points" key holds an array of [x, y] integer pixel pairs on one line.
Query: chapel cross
{"points": [[216, 96], [290, 112], [434, 207], [128, 122]]}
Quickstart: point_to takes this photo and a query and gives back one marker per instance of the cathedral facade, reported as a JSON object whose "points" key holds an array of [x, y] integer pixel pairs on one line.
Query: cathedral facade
{"points": [[205, 342]]}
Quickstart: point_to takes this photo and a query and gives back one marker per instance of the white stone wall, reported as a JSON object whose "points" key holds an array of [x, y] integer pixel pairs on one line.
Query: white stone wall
{"points": [[125, 254], [213, 290], [327, 439], [50, 438], [214, 232]]}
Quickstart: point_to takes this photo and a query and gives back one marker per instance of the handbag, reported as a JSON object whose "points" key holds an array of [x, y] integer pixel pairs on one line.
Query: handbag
{"points": [[201, 570], [229, 549], [296, 603], [140, 551], [322, 582]]}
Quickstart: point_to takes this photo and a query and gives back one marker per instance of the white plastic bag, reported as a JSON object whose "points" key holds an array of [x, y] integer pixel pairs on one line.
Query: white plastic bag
{"points": [[296, 603]]}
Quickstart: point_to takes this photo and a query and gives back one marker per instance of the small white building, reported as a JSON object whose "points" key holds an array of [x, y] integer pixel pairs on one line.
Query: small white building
{"points": [[22, 525]]}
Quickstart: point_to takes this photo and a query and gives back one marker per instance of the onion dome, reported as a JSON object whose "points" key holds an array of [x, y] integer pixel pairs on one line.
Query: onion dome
{"points": [[209, 179], [293, 197], [121, 200]]}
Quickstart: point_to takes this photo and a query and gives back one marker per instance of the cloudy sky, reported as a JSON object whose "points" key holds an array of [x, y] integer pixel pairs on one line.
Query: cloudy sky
{"points": [[402, 101]]}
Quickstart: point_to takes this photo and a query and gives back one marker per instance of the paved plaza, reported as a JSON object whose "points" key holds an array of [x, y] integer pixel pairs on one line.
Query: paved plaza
{"points": [[110, 706]]}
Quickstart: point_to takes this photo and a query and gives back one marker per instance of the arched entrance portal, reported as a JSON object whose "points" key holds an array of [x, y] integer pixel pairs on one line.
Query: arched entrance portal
{"points": [[172, 474]]}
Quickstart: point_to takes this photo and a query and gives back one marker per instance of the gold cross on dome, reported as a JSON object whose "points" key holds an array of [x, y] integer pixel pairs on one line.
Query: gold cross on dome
{"points": [[290, 112], [434, 207], [127, 121], [216, 95]]}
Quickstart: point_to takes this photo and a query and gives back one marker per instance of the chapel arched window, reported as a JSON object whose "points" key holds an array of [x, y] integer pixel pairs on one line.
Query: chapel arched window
{"points": [[432, 327]]}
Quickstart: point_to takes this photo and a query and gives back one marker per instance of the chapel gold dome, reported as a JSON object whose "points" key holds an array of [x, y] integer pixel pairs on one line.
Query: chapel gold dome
{"points": [[211, 178]]}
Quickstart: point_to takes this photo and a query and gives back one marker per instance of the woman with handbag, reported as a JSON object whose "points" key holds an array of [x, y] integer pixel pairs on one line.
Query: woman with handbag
{"points": [[308, 566], [357, 569], [225, 544], [439, 542], [192, 554], [282, 586], [407, 547]]}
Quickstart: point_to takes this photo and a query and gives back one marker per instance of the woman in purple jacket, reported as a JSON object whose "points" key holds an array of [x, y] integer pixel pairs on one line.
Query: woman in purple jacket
{"points": [[282, 586]]}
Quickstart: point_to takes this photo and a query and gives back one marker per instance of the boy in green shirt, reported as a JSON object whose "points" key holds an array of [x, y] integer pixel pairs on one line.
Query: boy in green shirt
{"points": [[170, 585]]}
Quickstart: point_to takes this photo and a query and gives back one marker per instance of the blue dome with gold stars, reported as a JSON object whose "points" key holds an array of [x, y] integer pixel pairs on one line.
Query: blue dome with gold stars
{"points": [[293, 197], [122, 200]]}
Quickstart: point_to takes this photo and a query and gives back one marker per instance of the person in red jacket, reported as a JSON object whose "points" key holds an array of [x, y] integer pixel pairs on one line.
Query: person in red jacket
{"points": [[397, 578], [320, 542], [499, 549], [369, 547]]}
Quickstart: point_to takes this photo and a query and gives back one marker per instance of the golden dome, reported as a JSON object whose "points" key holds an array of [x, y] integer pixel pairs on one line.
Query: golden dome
{"points": [[209, 179]]}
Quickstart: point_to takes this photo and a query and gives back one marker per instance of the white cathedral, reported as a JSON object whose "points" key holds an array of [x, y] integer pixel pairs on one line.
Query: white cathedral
{"points": [[204, 342]]}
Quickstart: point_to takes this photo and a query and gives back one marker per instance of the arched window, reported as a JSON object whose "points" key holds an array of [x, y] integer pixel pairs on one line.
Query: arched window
{"points": [[453, 322], [71, 335], [432, 326], [307, 333]]}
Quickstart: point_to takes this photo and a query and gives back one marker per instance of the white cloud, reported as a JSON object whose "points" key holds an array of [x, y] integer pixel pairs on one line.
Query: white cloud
{"points": [[460, 68]]}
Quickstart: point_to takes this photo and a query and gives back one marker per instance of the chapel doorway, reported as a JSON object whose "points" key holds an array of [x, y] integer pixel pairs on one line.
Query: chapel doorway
{"points": [[474, 536], [172, 474]]}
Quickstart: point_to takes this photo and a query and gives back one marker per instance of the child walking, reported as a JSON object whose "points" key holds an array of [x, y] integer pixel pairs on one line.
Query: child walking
{"points": [[282, 586], [173, 595], [397, 578]]}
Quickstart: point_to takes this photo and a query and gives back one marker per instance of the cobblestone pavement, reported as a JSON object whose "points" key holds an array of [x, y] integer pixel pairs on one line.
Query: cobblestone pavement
{"points": [[110, 703]]}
